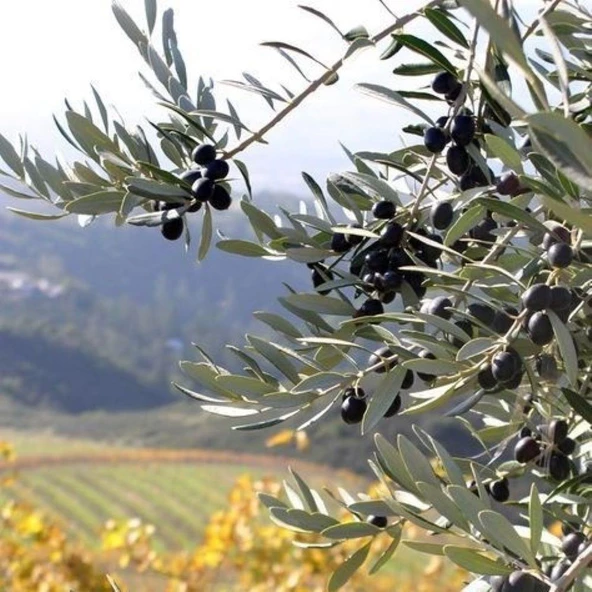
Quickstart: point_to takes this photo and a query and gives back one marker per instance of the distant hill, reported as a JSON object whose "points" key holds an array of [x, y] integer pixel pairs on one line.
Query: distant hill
{"points": [[123, 300], [38, 372]]}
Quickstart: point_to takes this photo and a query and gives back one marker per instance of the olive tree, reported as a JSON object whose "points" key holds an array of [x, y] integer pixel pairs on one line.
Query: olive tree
{"points": [[452, 275]]}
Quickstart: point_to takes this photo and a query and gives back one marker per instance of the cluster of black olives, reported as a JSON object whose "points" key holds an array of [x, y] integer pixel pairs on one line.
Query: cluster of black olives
{"points": [[549, 447], [204, 188], [379, 264], [574, 543], [383, 360], [354, 405], [460, 131]]}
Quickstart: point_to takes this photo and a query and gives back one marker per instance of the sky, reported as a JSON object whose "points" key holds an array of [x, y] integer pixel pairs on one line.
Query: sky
{"points": [[53, 50]]}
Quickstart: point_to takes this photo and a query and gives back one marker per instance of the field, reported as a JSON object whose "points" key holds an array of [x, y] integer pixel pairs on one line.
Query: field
{"points": [[83, 484]]}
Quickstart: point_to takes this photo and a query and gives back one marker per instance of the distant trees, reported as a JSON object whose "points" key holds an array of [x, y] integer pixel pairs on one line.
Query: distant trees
{"points": [[462, 268]]}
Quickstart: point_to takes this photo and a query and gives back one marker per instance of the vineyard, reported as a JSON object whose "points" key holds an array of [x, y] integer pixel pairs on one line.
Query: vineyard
{"points": [[184, 494], [83, 485]]}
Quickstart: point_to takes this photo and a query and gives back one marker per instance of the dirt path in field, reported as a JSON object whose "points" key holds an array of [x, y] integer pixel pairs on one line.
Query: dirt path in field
{"points": [[148, 455]]}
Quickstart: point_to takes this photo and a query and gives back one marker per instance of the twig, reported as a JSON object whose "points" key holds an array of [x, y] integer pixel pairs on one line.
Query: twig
{"points": [[535, 24], [578, 567], [326, 76]]}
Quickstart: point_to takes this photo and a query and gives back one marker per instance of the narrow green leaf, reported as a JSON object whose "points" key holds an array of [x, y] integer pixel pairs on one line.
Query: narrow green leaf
{"points": [[513, 108], [443, 504], [322, 16], [475, 347], [580, 218], [102, 202], [535, 518], [245, 248], [128, 25], [245, 386], [34, 215], [383, 397], [150, 219], [320, 381], [301, 521], [150, 7], [293, 48], [389, 551], [265, 423], [19, 194], [512, 212], [156, 190], [565, 143], [181, 71], [475, 562], [391, 96], [392, 463], [566, 348], [351, 530], [278, 323], [464, 223], [441, 394], [373, 186], [423, 547], [168, 34], [371, 507], [269, 501], [393, 48], [442, 22], [416, 70], [305, 491], [499, 31], [453, 471], [35, 179], [10, 156], [206, 234], [417, 464], [506, 153], [89, 136], [192, 121], [425, 49], [321, 304], [229, 411], [260, 220], [198, 396], [348, 568], [578, 404], [276, 357], [501, 530], [219, 116]]}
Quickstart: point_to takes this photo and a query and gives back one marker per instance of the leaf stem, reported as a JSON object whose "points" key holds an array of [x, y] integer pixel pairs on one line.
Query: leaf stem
{"points": [[324, 78]]}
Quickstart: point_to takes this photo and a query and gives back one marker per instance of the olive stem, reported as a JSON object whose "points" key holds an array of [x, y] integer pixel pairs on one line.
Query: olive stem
{"points": [[325, 77]]}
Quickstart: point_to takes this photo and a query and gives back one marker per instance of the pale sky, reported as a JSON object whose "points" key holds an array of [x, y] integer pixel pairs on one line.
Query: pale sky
{"points": [[55, 49]]}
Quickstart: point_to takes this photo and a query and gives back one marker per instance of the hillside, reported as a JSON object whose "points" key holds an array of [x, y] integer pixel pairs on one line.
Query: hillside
{"points": [[117, 301]]}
